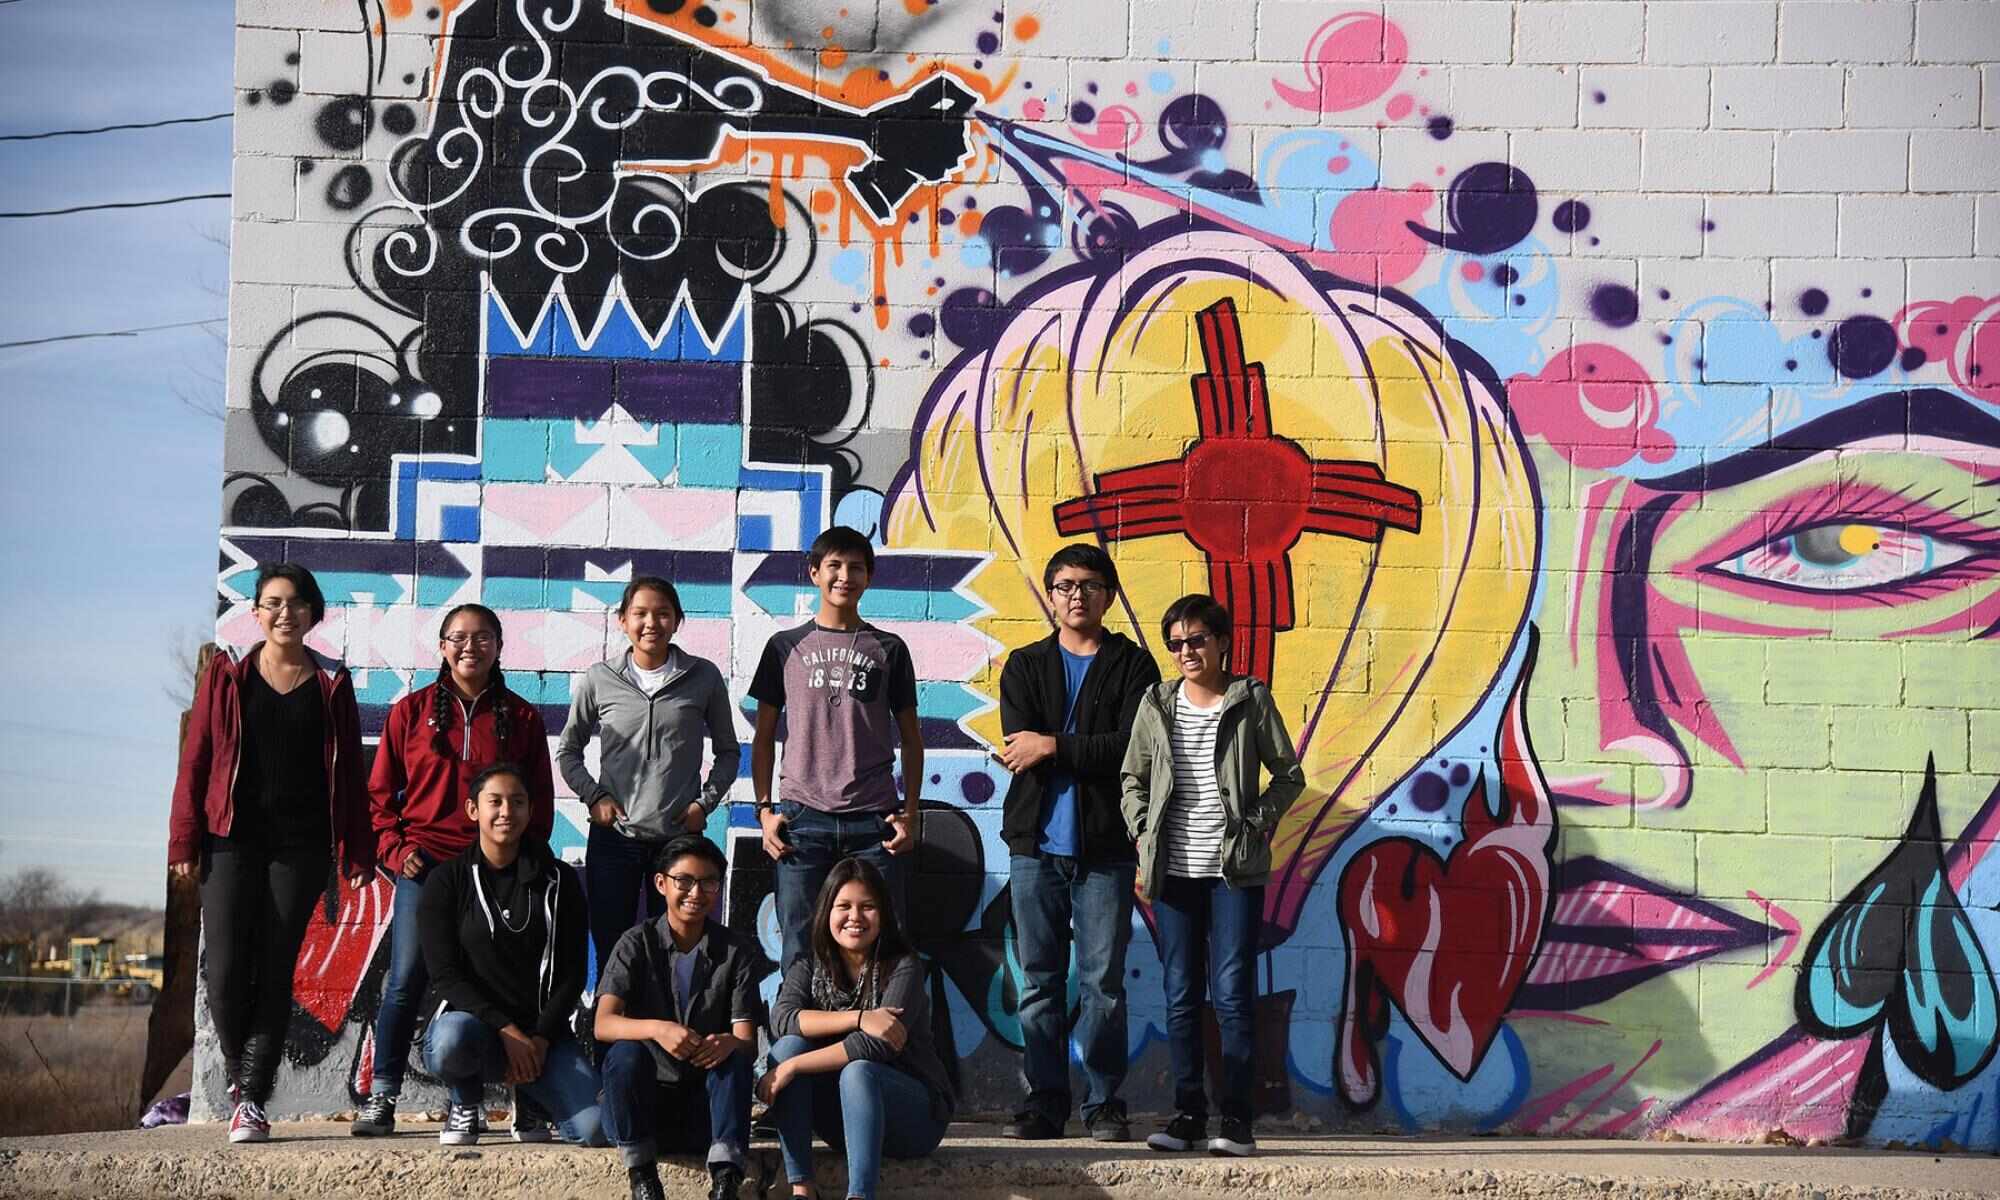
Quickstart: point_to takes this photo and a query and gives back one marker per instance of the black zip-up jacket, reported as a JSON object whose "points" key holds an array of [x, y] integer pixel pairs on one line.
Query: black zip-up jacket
{"points": [[477, 965], [1033, 693]]}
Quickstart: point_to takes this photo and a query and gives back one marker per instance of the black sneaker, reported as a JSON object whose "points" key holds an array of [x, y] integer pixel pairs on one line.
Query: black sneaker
{"points": [[377, 1117], [1109, 1123], [645, 1183], [1184, 1132], [531, 1124], [1235, 1141], [725, 1179], [1031, 1125], [461, 1126]]}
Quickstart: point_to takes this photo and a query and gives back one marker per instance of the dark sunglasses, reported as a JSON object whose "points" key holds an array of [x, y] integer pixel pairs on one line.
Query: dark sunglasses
{"points": [[1193, 641]]}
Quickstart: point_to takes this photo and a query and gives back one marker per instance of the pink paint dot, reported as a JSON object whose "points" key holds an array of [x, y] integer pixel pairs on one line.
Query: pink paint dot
{"points": [[1400, 105], [1338, 164], [1351, 59], [1131, 89], [1439, 172], [1034, 109], [1472, 272]]}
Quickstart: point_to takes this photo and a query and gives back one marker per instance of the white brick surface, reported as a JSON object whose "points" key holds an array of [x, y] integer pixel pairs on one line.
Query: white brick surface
{"points": [[1197, 29], [1643, 97], [1844, 31], [1600, 158], [1514, 97], [1576, 32], [1962, 31], [1989, 225], [1712, 31], [1454, 31], [1912, 97], [1705, 161], [1955, 160], [1778, 97], [1771, 225], [1914, 226], [1931, 278], [1868, 160]]}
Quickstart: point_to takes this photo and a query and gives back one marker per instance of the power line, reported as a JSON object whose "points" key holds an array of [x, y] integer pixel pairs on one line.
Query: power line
{"points": [[56, 133], [63, 212], [133, 332]]}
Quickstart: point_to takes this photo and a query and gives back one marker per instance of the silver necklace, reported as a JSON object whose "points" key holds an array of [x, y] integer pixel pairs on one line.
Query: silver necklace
{"points": [[833, 700]]}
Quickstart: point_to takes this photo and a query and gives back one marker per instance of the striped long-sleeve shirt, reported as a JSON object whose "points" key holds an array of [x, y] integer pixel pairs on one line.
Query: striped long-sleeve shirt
{"points": [[1196, 820]]}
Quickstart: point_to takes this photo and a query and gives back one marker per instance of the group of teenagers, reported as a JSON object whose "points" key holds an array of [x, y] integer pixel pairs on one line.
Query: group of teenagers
{"points": [[1124, 787]]}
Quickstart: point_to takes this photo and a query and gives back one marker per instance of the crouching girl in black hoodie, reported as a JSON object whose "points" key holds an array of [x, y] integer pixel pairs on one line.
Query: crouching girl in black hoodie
{"points": [[504, 930]]}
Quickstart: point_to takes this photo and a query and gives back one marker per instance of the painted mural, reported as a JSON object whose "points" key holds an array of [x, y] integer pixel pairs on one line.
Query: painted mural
{"points": [[1631, 629]]}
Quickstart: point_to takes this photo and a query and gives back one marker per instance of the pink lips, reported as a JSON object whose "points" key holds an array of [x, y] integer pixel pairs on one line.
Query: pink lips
{"points": [[1610, 930]]}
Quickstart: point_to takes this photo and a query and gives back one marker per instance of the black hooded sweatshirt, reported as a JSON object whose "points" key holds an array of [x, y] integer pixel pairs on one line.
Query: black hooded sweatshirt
{"points": [[488, 941]]}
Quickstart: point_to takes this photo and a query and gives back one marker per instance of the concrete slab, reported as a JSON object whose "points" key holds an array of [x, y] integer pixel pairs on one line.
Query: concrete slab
{"points": [[320, 1159]]}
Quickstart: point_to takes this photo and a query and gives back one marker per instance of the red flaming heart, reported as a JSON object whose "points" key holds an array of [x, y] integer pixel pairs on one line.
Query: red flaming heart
{"points": [[1448, 940]]}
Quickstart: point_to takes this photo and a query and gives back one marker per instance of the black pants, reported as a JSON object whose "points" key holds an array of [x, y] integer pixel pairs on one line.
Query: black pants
{"points": [[255, 906]]}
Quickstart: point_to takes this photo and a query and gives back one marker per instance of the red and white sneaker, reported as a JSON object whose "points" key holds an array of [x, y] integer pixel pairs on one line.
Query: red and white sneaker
{"points": [[249, 1124]]}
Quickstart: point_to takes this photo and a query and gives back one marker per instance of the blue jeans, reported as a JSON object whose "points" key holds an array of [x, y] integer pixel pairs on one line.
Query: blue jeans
{"points": [[818, 841], [1206, 931], [870, 1107], [402, 991], [1054, 895], [466, 1053], [617, 877], [709, 1111]]}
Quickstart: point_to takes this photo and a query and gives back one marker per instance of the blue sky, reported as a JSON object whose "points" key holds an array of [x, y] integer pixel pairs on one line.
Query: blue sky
{"points": [[110, 497]]}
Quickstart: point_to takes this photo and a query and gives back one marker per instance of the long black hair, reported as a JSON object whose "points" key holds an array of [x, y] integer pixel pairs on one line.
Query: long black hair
{"points": [[441, 705], [890, 944]]}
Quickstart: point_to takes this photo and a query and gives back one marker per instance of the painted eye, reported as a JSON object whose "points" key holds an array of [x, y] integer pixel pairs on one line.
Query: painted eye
{"points": [[1845, 557]]}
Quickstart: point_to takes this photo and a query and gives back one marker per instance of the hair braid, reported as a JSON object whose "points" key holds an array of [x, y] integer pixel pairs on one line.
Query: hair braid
{"points": [[503, 712], [441, 707]]}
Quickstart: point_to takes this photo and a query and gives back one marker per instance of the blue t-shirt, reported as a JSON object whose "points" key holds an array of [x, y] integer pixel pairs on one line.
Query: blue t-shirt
{"points": [[1059, 823]]}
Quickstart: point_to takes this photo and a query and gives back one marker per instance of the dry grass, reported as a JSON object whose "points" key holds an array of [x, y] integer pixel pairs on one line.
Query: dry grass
{"points": [[72, 1074]]}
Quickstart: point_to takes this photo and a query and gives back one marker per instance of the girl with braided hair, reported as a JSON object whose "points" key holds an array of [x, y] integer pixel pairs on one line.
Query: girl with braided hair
{"points": [[435, 741]]}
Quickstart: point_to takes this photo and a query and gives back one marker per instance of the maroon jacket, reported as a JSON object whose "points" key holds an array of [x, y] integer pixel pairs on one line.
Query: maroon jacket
{"points": [[418, 795], [205, 790]]}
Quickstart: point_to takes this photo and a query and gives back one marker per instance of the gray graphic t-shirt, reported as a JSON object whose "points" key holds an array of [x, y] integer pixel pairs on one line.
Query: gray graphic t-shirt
{"points": [[841, 690]]}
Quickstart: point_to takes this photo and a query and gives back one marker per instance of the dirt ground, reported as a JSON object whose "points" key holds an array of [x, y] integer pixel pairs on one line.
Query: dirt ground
{"points": [[74, 1074]]}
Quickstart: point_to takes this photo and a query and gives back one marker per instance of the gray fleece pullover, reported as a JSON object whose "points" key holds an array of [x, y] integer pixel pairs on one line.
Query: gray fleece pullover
{"points": [[649, 747]]}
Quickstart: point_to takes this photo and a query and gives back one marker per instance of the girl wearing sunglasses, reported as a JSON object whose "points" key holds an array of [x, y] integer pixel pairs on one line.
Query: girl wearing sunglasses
{"points": [[1193, 804]]}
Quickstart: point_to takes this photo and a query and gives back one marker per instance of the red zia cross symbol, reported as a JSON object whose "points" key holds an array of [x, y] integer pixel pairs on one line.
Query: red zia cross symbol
{"points": [[1243, 495]]}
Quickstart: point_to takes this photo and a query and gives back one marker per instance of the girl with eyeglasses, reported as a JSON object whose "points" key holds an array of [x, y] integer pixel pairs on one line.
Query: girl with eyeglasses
{"points": [[271, 798], [435, 741], [1203, 825], [651, 709], [854, 1057]]}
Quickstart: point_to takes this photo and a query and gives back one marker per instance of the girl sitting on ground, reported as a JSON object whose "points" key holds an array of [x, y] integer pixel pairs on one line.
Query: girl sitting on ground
{"points": [[854, 1059]]}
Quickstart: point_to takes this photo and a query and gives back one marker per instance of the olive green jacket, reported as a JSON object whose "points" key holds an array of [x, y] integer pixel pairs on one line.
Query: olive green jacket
{"points": [[1252, 735]]}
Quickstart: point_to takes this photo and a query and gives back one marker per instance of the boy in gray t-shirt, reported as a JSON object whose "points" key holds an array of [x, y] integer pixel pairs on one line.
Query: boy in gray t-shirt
{"points": [[848, 694]]}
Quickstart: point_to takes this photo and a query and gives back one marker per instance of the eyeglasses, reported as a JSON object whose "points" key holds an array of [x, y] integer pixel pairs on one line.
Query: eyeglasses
{"points": [[1193, 641], [482, 640], [274, 607], [1086, 588], [688, 883]]}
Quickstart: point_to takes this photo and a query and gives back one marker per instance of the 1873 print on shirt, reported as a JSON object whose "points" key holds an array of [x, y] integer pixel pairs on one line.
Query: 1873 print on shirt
{"points": [[840, 690]]}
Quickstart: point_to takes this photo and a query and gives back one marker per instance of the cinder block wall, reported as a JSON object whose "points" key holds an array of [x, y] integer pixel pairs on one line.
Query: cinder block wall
{"points": [[1587, 409]]}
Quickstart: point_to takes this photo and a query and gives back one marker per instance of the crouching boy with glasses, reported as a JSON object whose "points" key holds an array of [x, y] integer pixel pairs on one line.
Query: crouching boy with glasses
{"points": [[677, 1013]]}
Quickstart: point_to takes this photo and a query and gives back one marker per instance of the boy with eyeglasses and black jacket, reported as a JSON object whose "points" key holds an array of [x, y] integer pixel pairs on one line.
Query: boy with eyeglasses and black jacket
{"points": [[1067, 704], [677, 1011]]}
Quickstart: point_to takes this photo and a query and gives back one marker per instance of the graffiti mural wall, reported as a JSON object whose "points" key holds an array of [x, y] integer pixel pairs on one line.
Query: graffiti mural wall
{"points": [[1591, 413]]}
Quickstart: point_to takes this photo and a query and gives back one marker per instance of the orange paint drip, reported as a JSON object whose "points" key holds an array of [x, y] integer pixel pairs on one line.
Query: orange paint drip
{"points": [[881, 297], [832, 58], [778, 191], [1026, 28], [822, 201], [399, 9]]}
